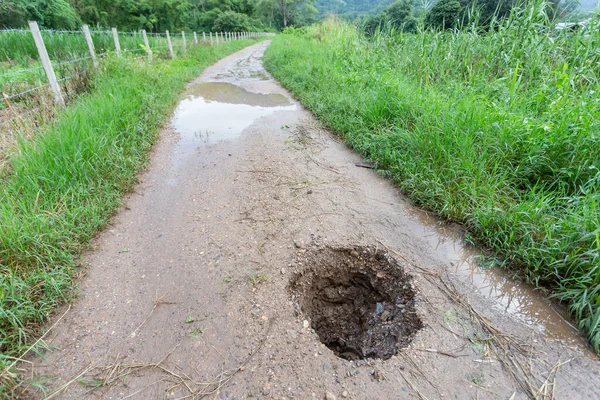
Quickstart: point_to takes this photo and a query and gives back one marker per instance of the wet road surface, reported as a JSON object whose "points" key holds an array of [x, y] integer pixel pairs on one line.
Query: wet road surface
{"points": [[186, 292]]}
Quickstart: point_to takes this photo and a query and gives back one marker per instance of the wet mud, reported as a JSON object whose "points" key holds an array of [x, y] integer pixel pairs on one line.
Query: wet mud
{"points": [[256, 260], [359, 301]]}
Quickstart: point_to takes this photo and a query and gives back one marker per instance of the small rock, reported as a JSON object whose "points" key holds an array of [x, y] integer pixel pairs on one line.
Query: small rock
{"points": [[345, 393], [329, 396], [309, 191], [305, 324], [266, 389], [282, 271], [384, 316]]}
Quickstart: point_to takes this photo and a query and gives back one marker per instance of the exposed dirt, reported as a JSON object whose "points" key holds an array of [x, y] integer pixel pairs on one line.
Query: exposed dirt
{"points": [[232, 262], [359, 300]]}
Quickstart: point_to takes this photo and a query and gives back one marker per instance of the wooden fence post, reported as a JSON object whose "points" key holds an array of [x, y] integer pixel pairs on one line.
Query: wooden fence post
{"points": [[211, 39], [116, 39], [170, 45], [147, 45], [203, 37], [45, 59], [184, 44], [88, 39]]}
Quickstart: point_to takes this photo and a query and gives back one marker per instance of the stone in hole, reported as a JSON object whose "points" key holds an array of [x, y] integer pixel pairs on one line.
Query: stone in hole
{"points": [[359, 300]]}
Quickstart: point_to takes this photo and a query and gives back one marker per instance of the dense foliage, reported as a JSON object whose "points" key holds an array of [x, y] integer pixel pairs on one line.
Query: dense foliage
{"points": [[352, 9], [407, 15], [443, 15], [160, 15], [497, 129], [397, 15]]}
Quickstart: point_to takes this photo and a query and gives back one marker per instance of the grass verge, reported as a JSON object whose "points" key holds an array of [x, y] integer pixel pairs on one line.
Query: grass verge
{"points": [[64, 186], [498, 130]]}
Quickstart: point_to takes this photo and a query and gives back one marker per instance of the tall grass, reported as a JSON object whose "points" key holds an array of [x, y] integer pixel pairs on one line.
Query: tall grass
{"points": [[497, 129], [63, 187]]}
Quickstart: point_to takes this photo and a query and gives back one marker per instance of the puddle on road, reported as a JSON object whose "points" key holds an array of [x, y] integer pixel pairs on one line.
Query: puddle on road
{"points": [[215, 111], [514, 297], [222, 92]]}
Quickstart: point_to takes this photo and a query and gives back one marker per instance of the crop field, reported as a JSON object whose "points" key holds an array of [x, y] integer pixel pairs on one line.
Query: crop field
{"points": [[498, 129]]}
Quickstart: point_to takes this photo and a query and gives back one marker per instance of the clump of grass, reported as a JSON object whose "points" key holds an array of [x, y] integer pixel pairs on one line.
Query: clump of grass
{"points": [[64, 186], [497, 129], [254, 278]]}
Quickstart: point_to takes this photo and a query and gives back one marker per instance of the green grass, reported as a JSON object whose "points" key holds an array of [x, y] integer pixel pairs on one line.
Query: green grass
{"points": [[21, 70], [18, 46], [498, 130], [64, 186]]}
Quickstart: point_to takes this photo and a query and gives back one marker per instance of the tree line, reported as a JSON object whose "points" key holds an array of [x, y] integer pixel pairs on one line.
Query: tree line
{"points": [[405, 15], [256, 15], [160, 15]]}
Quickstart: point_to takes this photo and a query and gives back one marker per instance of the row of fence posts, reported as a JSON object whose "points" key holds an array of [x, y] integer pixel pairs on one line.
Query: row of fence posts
{"points": [[218, 37]]}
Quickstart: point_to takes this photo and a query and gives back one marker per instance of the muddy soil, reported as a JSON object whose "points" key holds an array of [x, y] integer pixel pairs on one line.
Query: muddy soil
{"points": [[359, 300], [237, 269]]}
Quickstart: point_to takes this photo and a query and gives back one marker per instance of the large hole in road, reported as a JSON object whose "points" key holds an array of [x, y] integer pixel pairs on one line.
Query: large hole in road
{"points": [[359, 301]]}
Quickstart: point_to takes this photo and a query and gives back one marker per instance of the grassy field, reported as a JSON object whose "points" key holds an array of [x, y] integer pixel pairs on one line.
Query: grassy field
{"points": [[63, 186], [18, 47], [498, 130]]}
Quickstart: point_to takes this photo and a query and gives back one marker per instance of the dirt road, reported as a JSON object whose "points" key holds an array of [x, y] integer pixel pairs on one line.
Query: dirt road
{"points": [[255, 234]]}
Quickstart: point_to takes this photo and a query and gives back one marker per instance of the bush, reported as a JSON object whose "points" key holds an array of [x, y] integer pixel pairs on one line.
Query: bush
{"points": [[231, 21], [443, 15]]}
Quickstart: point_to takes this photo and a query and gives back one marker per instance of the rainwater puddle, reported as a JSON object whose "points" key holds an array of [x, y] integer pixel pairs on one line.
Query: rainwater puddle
{"points": [[216, 111], [514, 297]]}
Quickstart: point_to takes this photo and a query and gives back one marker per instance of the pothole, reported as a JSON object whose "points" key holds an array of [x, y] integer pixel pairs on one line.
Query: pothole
{"points": [[359, 301]]}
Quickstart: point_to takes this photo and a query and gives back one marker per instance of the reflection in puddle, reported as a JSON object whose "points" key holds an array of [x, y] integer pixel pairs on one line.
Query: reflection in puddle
{"points": [[214, 111], [232, 94], [514, 297]]}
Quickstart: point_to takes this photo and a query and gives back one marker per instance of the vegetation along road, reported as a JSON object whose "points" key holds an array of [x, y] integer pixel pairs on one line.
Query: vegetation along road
{"points": [[403, 206]]}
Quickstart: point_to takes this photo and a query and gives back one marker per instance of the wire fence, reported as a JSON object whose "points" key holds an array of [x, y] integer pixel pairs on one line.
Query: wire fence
{"points": [[37, 66]]}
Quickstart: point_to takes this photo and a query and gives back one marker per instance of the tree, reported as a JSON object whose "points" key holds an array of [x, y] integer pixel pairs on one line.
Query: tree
{"points": [[290, 12], [443, 15], [60, 15], [231, 21], [489, 9], [397, 15], [12, 14], [374, 23], [153, 15]]}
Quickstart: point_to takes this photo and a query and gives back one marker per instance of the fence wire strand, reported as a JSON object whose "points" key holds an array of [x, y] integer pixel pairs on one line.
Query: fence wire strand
{"points": [[7, 122], [21, 71], [12, 96]]}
